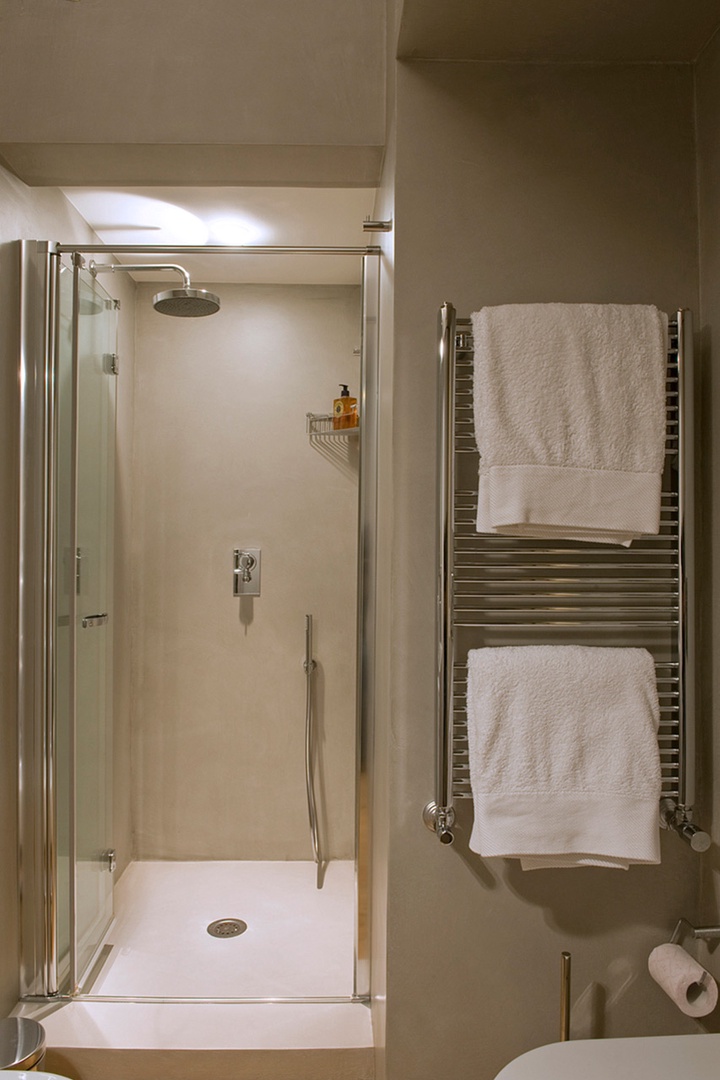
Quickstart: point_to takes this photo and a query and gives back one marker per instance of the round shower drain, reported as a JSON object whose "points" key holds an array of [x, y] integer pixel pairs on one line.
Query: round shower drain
{"points": [[227, 928]]}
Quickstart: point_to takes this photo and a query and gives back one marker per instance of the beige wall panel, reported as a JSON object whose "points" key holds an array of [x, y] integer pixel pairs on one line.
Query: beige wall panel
{"points": [[708, 126], [219, 165], [85, 1063], [549, 183], [557, 30], [221, 459], [228, 72]]}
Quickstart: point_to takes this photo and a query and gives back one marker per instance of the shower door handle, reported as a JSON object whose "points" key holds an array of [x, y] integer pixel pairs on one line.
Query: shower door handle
{"points": [[95, 620]]}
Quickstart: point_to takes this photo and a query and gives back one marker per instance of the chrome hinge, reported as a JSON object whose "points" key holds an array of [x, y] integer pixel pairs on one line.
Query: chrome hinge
{"points": [[111, 363], [109, 858]]}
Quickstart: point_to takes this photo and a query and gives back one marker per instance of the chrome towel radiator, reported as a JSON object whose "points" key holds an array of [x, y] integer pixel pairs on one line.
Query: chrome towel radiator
{"points": [[500, 590]]}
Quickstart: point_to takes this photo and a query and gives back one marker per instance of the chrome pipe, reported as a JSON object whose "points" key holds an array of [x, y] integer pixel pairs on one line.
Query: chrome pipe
{"points": [[440, 815], [698, 933], [73, 613], [48, 624], [50, 593], [130, 268], [309, 667], [210, 249], [565, 970], [686, 553], [36, 851]]}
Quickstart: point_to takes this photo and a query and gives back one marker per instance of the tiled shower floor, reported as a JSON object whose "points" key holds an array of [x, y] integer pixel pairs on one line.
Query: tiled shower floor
{"points": [[299, 942]]}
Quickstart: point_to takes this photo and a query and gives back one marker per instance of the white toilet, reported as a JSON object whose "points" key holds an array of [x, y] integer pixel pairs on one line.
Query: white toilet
{"points": [[661, 1057]]}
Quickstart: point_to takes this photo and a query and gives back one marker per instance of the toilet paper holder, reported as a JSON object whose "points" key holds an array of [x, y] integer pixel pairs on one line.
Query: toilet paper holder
{"points": [[704, 933]]}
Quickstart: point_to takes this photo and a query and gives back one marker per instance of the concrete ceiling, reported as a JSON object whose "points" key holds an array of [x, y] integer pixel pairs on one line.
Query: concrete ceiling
{"points": [[557, 30]]}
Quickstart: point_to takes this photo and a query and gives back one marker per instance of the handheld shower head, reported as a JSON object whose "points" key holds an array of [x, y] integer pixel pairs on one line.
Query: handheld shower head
{"points": [[185, 302]]}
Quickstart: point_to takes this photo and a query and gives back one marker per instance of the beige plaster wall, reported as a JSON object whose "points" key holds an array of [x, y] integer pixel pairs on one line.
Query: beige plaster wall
{"points": [[221, 459], [708, 126], [539, 183], [229, 92]]}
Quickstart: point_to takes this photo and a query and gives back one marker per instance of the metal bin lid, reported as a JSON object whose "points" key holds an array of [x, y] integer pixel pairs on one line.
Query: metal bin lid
{"points": [[22, 1042]]}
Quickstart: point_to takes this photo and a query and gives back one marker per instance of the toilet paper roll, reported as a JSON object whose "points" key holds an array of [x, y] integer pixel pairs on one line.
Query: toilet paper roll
{"points": [[685, 982]]}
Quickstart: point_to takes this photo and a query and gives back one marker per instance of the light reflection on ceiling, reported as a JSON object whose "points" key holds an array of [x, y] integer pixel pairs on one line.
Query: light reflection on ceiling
{"points": [[257, 216]]}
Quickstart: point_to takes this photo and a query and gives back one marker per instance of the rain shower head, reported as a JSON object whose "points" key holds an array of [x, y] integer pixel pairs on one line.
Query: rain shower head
{"points": [[185, 302]]}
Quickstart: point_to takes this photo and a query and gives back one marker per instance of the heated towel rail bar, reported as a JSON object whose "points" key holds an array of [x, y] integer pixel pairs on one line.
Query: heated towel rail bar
{"points": [[499, 590]]}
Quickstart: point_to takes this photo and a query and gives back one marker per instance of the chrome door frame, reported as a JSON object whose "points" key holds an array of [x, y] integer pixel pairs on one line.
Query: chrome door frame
{"points": [[37, 857], [39, 274]]}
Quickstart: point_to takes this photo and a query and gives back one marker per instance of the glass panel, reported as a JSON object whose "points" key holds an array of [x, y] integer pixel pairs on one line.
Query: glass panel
{"points": [[95, 433], [86, 396]]}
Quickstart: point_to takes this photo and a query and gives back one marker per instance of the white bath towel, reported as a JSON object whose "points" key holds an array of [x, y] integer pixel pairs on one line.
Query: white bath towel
{"points": [[569, 406], [564, 758]]}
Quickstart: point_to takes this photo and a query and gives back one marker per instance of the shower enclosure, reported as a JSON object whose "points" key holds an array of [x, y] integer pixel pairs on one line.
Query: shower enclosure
{"points": [[175, 726]]}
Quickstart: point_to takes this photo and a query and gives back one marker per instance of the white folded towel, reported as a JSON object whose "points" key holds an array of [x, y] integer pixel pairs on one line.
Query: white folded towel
{"points": [[564, 758], [569, 406]]}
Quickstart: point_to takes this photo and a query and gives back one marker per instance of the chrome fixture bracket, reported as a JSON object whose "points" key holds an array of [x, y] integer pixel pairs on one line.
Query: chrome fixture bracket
{"points": [[440, 820], [100, 619], [377, 226], [679, 819], [111, 364], [698, 933]]}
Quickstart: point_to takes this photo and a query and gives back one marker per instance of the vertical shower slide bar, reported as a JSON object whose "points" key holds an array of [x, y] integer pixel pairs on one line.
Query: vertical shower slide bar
{"points": [[309, 667]]}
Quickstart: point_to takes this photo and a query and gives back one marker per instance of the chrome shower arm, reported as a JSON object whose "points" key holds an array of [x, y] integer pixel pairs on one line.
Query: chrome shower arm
{"points": [[130, 268]]}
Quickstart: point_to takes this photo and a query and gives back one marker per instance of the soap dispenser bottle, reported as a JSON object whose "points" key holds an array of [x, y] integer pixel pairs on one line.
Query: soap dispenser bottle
{"points": [[345, 414]]}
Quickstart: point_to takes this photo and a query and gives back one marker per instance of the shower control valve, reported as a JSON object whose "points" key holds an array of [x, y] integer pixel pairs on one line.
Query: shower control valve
{"points": [[246, 571], [247, 565]]}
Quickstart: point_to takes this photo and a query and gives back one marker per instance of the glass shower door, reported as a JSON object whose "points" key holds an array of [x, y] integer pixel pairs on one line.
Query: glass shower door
{"points": [[86, 464]]}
